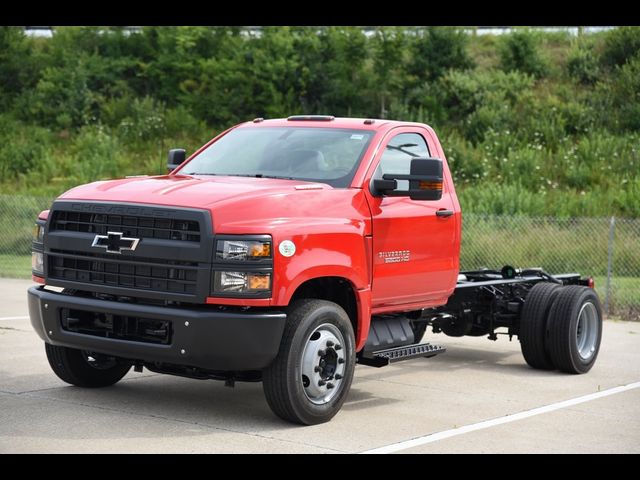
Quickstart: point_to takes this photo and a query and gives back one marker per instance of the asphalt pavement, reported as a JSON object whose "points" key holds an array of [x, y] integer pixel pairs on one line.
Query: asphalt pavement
{"points": [[477, 397]]}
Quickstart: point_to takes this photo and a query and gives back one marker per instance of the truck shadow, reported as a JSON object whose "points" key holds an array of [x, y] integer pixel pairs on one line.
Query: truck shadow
{"points": [[462, 357], [157, 406]]}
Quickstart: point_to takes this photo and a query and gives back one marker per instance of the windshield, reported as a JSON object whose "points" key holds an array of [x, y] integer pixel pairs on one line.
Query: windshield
{"points": [[327, 155]]}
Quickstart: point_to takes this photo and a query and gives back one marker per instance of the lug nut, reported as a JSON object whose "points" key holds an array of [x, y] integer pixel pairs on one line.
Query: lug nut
{"points": [[321, 383], [317, 369], [338, 347], [322, 353], [337, 376], [330, 343], [341, 360], [330, 385]]}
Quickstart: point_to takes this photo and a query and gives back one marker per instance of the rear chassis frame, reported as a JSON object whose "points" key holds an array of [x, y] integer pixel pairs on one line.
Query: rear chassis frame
{"points": [[486, 300]]}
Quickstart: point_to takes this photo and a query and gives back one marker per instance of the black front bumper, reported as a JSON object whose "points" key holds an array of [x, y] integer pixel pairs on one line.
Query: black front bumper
{"points": [[201, 337]]}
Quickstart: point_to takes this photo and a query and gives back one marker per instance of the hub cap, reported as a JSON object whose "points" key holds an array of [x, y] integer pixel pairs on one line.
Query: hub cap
{"points": [[587, 331], [323, 364]]}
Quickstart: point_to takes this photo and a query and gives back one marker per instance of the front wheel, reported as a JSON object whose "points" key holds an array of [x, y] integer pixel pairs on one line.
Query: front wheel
{"points": [[85, 369], [309, 380]]}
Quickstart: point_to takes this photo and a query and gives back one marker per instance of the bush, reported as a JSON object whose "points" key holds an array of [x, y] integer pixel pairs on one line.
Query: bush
{"points": [[62, 98], [520, 51], [621, 45], [23, 148], [618, 98], [478, 101], [582, 64], [436, 50]]}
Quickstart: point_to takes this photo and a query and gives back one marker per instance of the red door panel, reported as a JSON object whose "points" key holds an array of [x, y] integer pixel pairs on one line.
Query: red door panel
{"points": [[414, 250]]}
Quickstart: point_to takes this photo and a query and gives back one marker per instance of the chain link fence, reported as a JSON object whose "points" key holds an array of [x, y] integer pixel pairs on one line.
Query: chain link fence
{"points": [[606, 248]]}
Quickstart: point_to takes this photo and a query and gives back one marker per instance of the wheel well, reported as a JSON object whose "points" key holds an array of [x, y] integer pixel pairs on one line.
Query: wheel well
{"points": [[334, 289]]}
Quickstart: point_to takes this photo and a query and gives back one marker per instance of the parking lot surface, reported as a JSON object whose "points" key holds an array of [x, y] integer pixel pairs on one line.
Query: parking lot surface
{"points": [[477, 397]]}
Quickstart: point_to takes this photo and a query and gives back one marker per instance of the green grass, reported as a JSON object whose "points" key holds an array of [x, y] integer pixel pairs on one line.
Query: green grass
{"points": [[15, 266], [625, 296]]}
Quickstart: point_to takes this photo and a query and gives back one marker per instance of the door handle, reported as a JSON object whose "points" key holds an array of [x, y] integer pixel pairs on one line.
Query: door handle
{"points": [[444, 213]]}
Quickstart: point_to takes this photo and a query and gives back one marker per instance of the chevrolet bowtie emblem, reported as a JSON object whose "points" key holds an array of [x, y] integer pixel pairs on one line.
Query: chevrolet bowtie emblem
{"points": [[114, 242]]}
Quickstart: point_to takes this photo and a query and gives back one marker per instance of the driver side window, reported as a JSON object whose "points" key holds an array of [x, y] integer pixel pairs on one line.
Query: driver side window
{"points": [[398, 154]]}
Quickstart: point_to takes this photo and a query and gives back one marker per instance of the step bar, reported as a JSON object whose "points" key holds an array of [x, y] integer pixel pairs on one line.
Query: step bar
{"points": [[382, 358]]}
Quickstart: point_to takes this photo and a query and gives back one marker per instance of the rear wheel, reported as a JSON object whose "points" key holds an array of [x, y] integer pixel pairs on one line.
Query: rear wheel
{"points": [[533, 325], [308, 381], [85, 369], [575, 329]]}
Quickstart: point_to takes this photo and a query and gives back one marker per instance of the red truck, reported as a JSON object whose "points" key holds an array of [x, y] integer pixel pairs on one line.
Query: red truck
{"points": [[286, 251]]}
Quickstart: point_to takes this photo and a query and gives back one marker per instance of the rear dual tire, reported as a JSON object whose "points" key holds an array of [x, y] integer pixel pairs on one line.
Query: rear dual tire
{"points": [[561, 328], [574, 329]]}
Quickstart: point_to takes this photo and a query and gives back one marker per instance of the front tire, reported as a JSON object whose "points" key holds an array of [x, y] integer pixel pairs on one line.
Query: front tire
{"points": [[575, 329], [310, 378], [85, 369]]}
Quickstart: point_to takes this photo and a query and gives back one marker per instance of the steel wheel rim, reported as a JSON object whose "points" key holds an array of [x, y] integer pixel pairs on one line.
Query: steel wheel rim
{"points": [[587, 331], [323, 364]]}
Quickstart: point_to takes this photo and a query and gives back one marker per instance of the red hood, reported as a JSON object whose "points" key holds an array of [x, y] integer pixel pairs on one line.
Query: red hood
{"points": [[237, 204]]}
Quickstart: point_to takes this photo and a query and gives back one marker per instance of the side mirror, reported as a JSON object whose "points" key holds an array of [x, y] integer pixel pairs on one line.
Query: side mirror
{"points": [[176, 157], [425, 181]]}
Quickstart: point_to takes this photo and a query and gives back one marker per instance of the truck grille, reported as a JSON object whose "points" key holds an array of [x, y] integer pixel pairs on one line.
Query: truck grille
{"points": [[129, 225], [171, 259], [146, 274]]}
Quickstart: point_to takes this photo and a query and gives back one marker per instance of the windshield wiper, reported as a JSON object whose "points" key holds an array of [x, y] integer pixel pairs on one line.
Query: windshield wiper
{"points": [[250, 175]]}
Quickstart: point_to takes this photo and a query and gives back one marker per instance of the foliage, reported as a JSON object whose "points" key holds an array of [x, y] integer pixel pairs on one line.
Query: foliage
{"points": [[532, 123], [520, 51], [582, 63], [620, 46]]}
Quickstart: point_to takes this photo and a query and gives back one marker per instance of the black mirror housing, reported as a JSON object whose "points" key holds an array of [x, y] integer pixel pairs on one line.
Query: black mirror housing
{"points": [[429, 177], [425, 181], [175, 158]]}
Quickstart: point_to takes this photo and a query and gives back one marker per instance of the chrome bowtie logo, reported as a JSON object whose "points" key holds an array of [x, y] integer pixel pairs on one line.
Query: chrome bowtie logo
{"points": [[114, 242]]}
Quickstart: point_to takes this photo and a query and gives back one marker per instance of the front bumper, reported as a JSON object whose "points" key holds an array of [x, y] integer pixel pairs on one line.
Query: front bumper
{"points": [[201, 337]]}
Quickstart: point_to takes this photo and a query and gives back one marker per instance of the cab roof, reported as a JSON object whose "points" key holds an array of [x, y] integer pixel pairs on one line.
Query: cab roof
{"points": [[327, 121]]}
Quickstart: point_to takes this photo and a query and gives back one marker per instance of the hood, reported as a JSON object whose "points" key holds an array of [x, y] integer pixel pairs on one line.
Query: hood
{"points": [[237, 204]]}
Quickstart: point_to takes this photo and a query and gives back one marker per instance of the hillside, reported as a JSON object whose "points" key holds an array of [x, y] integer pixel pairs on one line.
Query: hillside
{"points": [[532, 123]]}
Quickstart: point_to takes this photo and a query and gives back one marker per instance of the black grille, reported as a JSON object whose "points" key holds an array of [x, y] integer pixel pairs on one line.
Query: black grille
{"points": [[122, 327], [129, 225], [146, 274]]}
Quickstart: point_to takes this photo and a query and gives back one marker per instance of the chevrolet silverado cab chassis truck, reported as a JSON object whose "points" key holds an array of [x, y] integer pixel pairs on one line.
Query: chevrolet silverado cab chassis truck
{"points": [[286, 251]]}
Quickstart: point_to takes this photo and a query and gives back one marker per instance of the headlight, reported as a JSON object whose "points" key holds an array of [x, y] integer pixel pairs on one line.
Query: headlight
{"points": [[38, 233], [242, 282], [37, 262], [241, 250]]}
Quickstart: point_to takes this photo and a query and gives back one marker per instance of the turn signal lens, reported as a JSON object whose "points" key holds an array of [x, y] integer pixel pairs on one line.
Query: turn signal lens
{"points": [[259, 282], [38, 233], [262, 249]]}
